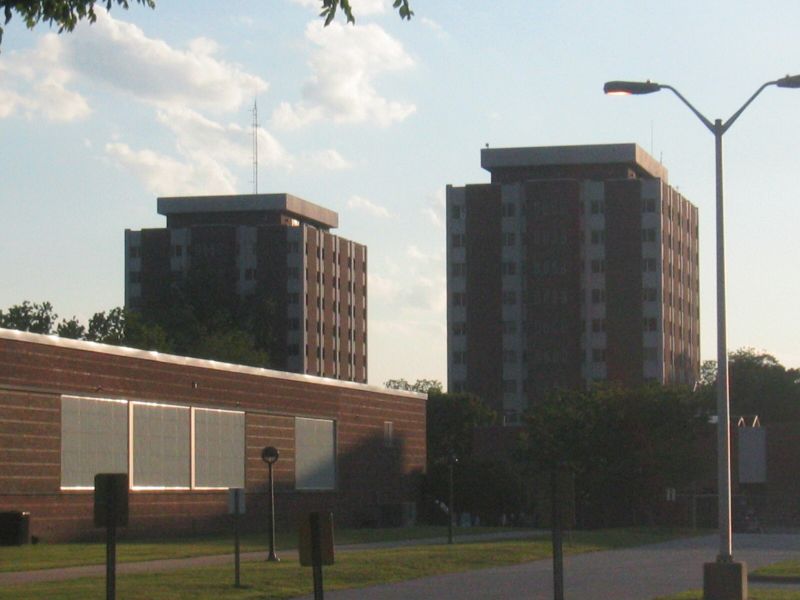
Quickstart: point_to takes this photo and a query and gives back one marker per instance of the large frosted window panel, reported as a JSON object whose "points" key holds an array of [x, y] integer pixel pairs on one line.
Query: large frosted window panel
{"points": [[161, 446], [315, 454], [218, 448], [94, 439]]}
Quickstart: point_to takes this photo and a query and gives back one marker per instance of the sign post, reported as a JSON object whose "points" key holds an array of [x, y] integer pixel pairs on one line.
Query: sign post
{"points": [[316, 547], [562, 493], [111, 511], [236, 508]]}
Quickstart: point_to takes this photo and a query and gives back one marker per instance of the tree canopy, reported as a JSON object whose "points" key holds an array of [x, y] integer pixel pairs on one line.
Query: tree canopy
{"points": [[759, 385], [216, 340], [624, 446], [66, 14]]}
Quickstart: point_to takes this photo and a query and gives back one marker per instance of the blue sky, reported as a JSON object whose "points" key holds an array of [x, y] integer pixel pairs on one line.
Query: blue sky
{"points": [[374, 120]]}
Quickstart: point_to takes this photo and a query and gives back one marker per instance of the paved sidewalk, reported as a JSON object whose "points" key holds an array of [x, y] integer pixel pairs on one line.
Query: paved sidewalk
{"points": [[641, 573], [161, 566]]}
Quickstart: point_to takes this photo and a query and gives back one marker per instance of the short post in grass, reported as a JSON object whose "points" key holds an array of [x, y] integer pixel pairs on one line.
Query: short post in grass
{"points": [[315, 547], [562, 493], [236, 507], [452, 460], [111, 511], [270, 456]]}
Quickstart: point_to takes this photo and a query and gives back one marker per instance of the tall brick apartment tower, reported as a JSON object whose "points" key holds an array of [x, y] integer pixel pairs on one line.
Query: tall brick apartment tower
{"points": [[576, 264], [277, 246]]}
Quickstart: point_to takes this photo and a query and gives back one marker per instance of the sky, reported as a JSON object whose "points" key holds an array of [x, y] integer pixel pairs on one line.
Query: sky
{"points": [[374, 120]]}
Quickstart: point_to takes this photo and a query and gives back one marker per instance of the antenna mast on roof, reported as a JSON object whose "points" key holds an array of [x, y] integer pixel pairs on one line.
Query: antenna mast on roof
{"points": [[255, 146]]}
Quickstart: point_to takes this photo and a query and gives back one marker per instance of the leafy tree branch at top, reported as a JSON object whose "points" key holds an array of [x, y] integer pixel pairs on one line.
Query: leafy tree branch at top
{"points": [[66, 14]]}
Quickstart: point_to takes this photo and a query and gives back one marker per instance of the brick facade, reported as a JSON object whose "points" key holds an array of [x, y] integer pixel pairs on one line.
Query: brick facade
{"points": [[374, 475]]}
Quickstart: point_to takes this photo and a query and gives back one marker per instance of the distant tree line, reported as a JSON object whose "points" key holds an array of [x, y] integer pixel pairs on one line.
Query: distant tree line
{"points": [[623, 446], [182, 330]]}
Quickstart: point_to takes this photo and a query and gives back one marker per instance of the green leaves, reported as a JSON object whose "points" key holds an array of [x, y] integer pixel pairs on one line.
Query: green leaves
{"points": [[329, 8], [66, 14], [404, 9]]}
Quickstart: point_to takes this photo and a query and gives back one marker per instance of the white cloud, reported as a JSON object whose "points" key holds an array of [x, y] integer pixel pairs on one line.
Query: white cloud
{"points": [[183, 85], [164, 175], [200, 137], [435, 208], [328, 159], [35, 83], [414, 290], [431, 24], [207, 151], [344, 66], [369, 207], [119, 55]]}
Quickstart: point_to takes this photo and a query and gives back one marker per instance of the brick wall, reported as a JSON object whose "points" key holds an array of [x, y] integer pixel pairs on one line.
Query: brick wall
{"points": [[36, 370]]}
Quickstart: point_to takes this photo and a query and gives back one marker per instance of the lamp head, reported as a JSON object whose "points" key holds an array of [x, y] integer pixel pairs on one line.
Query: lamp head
{"points": [[628, 88], [270, 455], [790, 81]]}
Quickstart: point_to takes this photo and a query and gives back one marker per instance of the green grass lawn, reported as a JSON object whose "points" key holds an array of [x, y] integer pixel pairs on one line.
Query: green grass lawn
{"points": [[47, 556], [752, 594], [352, 569], [789, 568]]}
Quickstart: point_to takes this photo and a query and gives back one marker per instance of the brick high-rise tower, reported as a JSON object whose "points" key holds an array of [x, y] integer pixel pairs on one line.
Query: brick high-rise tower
{"points": [[270, 246], [575, 264]]}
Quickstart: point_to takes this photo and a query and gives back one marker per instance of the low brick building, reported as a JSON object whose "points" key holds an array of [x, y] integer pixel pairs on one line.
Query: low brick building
{"points": [[186, 430]]}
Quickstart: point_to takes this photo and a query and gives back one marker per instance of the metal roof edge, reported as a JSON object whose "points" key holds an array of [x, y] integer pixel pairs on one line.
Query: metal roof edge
{"points": [[54, 340]]}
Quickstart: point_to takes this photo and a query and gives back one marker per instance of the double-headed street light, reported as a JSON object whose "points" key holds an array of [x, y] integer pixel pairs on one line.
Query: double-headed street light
{"points": [[718, 128]]}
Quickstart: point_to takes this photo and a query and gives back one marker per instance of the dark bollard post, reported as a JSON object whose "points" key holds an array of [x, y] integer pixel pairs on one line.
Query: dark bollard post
{"points": [[111, 510], [236, 507], [270, 456]]}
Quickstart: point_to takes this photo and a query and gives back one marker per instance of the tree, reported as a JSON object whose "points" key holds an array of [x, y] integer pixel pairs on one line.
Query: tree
{"points": [[121, 327], [624, 446], [71, 328], [759, 385], [107, 328], [424, 386], [233, 345], [452, 418], [29, 316], [66, 14]]}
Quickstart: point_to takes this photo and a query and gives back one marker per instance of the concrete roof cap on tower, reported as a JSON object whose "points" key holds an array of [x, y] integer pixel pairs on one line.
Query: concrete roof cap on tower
{"points": [[302, 209], [594, 154]]}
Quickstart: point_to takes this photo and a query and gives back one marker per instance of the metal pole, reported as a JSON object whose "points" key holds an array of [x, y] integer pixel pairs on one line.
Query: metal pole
{"points": [[111, 557], [316, 556], [558, 555], [450, 508], [723, 400], [236, 544], [271, 557]]}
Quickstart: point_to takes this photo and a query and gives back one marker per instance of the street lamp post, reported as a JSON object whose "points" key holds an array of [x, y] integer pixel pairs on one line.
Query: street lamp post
{"points": [[718, 128], [270, 456]]}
